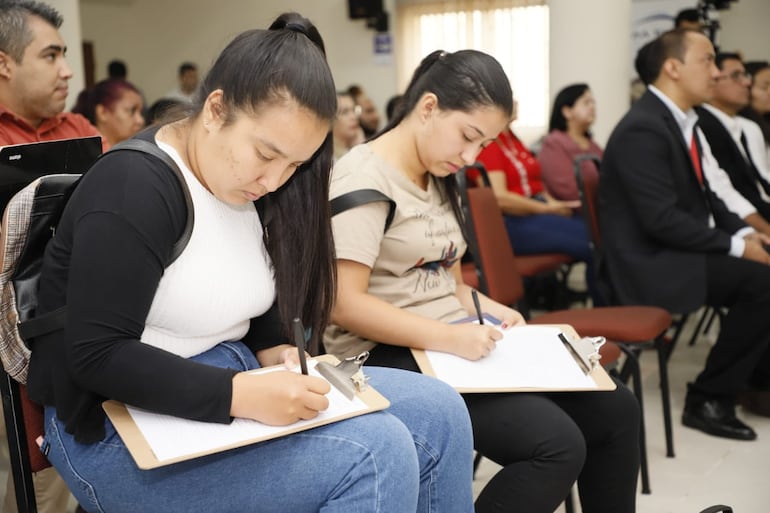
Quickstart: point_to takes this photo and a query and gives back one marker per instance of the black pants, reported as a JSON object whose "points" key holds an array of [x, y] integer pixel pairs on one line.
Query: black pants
{"points": [[740, 356], [544, 442]]}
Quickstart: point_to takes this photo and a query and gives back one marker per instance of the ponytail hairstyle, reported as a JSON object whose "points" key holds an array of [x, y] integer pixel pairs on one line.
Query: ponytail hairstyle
{"points": [[462, 81], [274, 67]]}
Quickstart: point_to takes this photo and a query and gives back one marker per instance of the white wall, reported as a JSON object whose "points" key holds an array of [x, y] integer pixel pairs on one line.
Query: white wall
{"points": [[70, 32], [587, 39], [593, 51], [745, 28], [153, 37]]}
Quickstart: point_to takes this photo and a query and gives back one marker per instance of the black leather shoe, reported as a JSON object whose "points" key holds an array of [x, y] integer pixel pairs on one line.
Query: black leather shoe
{"points": [[716, 417]]}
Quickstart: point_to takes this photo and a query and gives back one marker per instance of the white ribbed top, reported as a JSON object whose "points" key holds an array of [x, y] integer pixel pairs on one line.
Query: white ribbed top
{"points": [[222, 279]]}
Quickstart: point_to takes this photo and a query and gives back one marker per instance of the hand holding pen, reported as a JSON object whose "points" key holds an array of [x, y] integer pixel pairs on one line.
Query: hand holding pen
{"points": [[508, 316], [283, 397]]}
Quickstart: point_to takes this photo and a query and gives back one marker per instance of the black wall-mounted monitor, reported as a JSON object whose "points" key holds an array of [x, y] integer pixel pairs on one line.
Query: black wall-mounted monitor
{"points": [[364, 9]]}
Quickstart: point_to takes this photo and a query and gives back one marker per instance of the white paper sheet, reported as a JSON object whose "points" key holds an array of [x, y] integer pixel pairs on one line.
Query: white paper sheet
{"points": [[172, 437], [526, 357]]}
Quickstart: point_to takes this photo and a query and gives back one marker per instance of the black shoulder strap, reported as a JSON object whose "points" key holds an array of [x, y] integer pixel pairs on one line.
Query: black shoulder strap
{"points": [[144, 146], [361, 197], [56, 319]]}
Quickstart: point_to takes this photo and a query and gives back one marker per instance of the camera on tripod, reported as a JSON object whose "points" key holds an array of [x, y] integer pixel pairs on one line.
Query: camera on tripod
{"points": [[711, 25]]}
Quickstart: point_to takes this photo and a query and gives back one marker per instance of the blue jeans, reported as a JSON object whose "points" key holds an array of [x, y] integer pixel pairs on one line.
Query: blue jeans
{"points": [[414, 456]]}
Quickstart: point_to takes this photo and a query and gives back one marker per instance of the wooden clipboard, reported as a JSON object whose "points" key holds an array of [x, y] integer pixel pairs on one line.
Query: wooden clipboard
{"points": [[146, 459], [598, 374]]}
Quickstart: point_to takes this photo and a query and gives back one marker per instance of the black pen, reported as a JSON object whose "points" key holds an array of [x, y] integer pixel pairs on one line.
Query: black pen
{"points": [[476, 303], [299, 341]]}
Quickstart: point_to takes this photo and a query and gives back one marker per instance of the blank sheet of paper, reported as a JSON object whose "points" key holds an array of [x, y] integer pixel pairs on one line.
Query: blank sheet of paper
{"points": [[172, 437], [526, 357]]}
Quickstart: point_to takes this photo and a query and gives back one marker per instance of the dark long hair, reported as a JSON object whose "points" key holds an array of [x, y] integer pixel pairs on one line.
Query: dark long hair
{"points": [[260, 68], [565, 98], [763, 120], [461, 81]]}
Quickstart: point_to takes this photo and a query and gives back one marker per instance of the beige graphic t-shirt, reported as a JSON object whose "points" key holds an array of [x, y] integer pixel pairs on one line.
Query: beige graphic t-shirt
{"points": [[410, 262]]}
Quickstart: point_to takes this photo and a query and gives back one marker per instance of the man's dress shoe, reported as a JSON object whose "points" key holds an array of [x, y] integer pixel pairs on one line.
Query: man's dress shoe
{"points": [[716, 417]]}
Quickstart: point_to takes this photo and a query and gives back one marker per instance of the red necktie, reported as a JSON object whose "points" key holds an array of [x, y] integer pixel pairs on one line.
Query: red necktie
{"points": [[696, 159]]}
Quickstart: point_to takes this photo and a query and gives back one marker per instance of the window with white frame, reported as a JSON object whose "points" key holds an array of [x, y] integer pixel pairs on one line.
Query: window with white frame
{"points": [[515, 32]]}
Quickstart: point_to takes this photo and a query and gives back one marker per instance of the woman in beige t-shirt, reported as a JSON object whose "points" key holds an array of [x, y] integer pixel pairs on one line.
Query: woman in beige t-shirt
{"points": [[400, 286]]}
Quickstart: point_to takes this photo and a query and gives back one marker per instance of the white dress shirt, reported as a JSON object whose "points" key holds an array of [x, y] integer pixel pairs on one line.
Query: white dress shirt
{"points": [[737, 126], [756, 143]]}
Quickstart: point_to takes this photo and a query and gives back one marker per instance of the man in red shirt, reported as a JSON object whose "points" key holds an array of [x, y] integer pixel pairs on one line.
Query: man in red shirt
{"points": [[34, 76], [33, 91]]}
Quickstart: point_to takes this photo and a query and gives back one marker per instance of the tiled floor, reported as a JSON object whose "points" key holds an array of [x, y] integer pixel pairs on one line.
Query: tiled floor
{"points": [[706, 470]]}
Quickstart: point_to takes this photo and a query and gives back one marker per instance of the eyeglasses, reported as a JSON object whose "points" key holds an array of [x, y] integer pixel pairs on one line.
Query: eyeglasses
{"points": [[737, 76]]}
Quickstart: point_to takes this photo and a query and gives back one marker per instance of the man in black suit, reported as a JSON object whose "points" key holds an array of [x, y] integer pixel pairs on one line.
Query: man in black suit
{"points": [[668, 240], [726, 132]]}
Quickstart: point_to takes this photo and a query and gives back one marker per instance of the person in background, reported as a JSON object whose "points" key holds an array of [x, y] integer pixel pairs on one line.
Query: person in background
{"points": [[180, 339], [116, 68], [403, 288], [668, 240], [187, 83], [33, 90], [536, 222], [569, 135], [34, 76], [165, 109], [368, 116], [392, 105], [114, 107], [346, 130], [729, 149], [688, 19], [758, 109]]}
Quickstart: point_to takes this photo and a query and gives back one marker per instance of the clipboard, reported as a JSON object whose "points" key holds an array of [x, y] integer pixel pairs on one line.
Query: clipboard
{"points": [[576, 349], [145, 458]]}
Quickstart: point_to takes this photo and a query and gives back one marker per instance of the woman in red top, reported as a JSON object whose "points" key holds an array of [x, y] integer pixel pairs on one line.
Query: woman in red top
{"points": [[536, 222]]}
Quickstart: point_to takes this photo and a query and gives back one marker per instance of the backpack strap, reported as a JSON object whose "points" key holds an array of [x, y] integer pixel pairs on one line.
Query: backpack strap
{"points": [[56, 319], [144, 146], [360, 197]]}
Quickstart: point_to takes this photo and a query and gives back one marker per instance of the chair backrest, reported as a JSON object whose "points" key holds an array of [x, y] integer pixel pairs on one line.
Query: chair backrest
{"points": [[588, 189], [499, 279]]}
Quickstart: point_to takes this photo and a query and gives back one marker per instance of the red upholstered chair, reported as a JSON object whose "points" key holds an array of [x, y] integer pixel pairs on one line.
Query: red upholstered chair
{"points": [[529, 266], [630, 327]]}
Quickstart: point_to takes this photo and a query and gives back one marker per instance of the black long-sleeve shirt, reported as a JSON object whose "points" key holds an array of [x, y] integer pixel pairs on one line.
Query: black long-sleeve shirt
{"points": [[105, 262]]}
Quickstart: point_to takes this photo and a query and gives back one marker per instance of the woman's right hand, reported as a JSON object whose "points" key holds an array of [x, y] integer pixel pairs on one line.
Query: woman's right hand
{"points": [[473, 341], [278, 398], [556, 207]]}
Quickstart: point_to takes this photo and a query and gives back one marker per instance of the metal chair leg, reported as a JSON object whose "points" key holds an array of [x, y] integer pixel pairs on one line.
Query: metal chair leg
{"points": [[662, 350], [632, 361], [697, 330], [476, 461]]}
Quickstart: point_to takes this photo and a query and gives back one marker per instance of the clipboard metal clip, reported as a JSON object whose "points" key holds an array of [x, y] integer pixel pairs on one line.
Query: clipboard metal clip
{"points": [[347, 376], [595, 356], [585, 350]]}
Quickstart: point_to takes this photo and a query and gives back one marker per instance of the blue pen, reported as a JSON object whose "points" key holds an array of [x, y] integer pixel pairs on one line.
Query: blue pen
{"points": [[476, 303], [299, 341]]}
